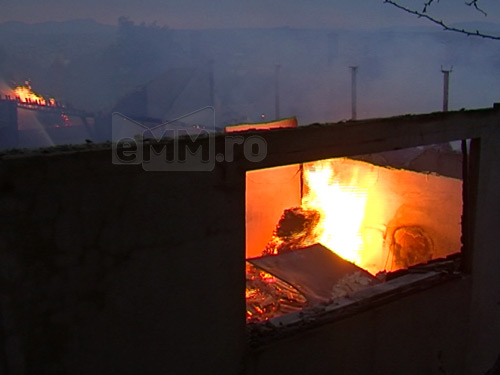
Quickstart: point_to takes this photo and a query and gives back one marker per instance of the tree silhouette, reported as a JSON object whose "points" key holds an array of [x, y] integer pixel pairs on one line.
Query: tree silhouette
{"points": [[427, 14]]}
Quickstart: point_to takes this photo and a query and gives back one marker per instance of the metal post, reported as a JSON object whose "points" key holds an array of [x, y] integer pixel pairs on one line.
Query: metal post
{"points": [[446, 87], [211, 82], [354, 109], [277, 91]]}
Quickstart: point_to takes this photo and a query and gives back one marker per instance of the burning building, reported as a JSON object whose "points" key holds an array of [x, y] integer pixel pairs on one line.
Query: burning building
{"points": [[367, 268], [29, 120]]}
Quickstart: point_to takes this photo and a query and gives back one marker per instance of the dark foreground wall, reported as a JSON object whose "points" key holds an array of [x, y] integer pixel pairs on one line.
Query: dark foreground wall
{"points": [[108, 269], [113, 270], [418, 334]]}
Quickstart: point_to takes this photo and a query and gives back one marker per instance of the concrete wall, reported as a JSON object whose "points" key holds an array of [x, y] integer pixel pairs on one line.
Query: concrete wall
{"points": [[418, 334], [108, 269], [484, 330]]}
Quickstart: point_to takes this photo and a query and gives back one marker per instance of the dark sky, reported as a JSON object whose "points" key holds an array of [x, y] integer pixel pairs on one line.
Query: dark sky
{"points": [[239, 13]]}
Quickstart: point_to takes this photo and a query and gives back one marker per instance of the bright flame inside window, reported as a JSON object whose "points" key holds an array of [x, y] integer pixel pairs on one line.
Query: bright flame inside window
{"points": [[380, 219], [341, 203]]}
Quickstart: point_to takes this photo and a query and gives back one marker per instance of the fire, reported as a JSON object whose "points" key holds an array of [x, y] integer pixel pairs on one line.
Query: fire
{"points": [[379, 218], [339, 193], [338, 209], [25, 94], [268, 296]]}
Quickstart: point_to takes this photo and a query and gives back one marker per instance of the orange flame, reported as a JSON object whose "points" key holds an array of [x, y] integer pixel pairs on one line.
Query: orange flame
{"points": [[25, 94], [339, 193], [379, 218]]}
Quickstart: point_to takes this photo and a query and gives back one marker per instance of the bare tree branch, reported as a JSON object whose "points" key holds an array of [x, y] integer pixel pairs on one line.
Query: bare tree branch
{"points": [[474, 4], [441, 23], [427, 4]]}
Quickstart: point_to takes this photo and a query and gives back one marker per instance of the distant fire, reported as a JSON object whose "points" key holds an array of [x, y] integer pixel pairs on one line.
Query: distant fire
{"points": [[24, 93]]}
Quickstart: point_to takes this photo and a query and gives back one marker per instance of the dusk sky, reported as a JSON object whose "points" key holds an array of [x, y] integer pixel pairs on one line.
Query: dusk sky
{"points": [[181, 14]]}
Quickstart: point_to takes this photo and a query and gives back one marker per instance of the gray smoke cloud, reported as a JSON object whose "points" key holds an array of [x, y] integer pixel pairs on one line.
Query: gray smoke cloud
{"points": [[206, 55]]}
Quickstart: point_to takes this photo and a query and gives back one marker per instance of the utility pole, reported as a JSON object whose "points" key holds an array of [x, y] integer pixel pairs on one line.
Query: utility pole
{"points": [[446, 87], [354, 72], [211, 82], [277, 91]]}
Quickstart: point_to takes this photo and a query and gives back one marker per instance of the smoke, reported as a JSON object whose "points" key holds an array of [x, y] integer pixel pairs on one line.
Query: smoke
{"points": [[5, 88], [32, 133], [154, 71]]}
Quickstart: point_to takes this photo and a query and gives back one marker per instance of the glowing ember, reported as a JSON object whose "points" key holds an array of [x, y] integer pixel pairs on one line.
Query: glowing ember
{"points": [[25, 94], [268, 296]]}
